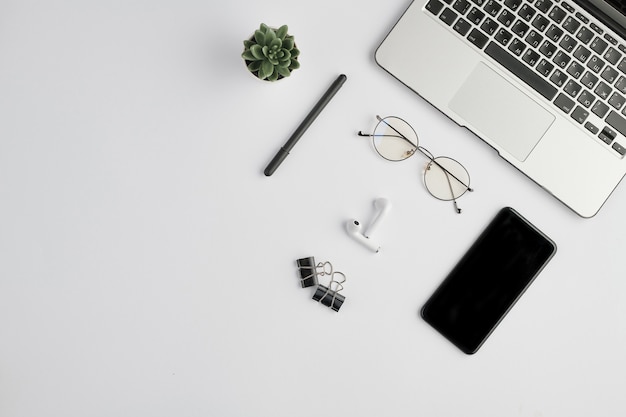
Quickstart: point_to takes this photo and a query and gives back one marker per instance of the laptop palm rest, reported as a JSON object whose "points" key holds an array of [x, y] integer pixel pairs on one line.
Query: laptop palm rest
{"points": [[500, 112]]}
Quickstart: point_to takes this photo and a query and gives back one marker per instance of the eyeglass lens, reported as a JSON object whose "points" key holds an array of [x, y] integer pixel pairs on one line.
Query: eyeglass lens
{"points": [[394, 139], [446, 179]]}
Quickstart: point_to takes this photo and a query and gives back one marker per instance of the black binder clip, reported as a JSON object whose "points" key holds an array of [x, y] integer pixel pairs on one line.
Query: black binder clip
{"points": [[309, 271], [329, 296]]}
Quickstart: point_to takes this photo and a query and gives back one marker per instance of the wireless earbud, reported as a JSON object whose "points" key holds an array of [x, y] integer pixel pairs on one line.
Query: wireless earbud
{"points": [[354, 230], [382, 205]]}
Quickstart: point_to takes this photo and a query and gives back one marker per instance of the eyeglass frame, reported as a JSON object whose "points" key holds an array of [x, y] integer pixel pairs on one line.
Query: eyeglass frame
{"points": [[424, 152]]}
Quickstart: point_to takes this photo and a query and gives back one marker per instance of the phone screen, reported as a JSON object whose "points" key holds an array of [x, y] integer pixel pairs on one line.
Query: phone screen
{"points": [[488, 280]]}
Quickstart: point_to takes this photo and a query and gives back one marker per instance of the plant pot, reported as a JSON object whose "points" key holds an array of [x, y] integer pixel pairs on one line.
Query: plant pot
{"points": [[271, 54]]}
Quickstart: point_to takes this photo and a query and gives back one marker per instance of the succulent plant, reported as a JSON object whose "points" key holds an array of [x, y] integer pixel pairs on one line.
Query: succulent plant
{"points": [[271, 53]]}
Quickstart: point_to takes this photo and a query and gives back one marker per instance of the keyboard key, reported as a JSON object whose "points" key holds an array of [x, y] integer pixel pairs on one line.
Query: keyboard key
{"points": [[607, 135], [531, 57], [584, 35], [613, 56], [489, 26], [580, 115], [603, 91], [462, 26], [621, 84], [617, 122], [558, 78], [526, 12], [547, 49], [503, 36], [592, 128], [572, 88], [568, 7], [600, 109], [524, 73], [586, 98], [541, 23], [557, 14], [492, 8], [599, 46], [477, 38], [582, 54], [544, 67], [605, 138], [575, 69], [448, 16], [596, 29], [610, 39], [534, 39], [475, 16], [554, 32], [589, 80], [516, 46], [506, 18], [622, 66], [619, 148], [609, 74], [571, 25], [434, 6], [543, 5], [561, 59], [512, 4], [595, 64], [461, 6], [617, 101], [568, 43], [564, 103], [582, 18], [520, 28]]}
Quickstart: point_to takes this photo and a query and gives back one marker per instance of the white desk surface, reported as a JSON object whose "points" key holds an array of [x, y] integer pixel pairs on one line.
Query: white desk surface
{"points": [[147, 266]]}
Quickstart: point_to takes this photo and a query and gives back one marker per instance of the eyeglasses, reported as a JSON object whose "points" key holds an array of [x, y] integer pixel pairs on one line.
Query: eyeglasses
{"points": [[395, 140]]}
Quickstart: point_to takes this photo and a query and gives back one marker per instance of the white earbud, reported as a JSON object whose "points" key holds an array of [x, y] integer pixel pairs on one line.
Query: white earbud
{"points": [[382, 205], [354, 230]]}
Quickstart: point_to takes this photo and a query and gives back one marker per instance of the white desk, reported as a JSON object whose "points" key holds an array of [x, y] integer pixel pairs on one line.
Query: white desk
{"points": [[147, 266]]}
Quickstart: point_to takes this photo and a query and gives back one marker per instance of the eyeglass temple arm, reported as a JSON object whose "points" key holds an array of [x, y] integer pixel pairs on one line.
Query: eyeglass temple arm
{"points": [[400, 136], [456, 206]]}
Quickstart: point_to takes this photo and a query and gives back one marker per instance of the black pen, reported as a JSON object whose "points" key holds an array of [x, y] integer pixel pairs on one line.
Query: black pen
{"points": [[284, 150]]}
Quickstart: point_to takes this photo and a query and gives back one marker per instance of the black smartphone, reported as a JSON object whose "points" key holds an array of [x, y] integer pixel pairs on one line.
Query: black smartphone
{"points": [[488, 280]]}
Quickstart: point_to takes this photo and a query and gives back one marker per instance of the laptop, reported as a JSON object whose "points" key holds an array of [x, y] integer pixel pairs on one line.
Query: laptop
{"points": [[543, 82]]}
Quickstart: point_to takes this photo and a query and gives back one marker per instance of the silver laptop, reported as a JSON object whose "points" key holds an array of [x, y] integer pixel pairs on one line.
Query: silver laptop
{"points": [[541, 81]]}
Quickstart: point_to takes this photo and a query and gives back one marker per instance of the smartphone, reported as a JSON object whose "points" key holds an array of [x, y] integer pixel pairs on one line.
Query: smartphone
{"points": [[488, 280]]}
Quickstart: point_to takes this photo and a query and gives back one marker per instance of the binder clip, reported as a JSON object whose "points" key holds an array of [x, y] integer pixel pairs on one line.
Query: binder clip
{"points": [[309, 271], [329, 296]]}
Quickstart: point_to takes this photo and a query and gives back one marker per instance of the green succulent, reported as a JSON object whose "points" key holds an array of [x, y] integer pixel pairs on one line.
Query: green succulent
{"points": [[271, 54]]}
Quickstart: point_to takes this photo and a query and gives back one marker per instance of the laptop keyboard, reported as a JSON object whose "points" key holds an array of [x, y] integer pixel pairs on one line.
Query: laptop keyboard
{"points": [[557, 51]]}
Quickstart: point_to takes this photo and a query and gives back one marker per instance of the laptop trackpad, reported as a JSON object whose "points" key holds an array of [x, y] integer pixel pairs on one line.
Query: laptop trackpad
{"points": [[503, 113]]}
